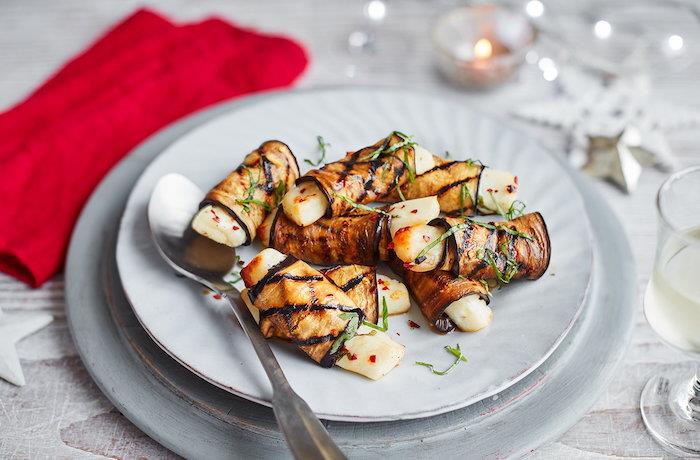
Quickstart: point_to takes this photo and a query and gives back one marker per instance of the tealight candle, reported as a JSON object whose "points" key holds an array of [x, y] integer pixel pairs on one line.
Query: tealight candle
{"points": [[482, 45]]}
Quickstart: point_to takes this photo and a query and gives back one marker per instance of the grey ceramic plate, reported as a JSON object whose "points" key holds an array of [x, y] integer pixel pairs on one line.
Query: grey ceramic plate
{"points": [[197, 420], [530, 318]]}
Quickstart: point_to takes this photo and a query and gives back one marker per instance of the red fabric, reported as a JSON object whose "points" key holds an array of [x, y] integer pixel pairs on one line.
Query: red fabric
{"points": [[146, 72]]}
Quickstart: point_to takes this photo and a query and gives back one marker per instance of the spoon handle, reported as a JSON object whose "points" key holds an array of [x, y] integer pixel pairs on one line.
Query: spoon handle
{"points": [[306, 436]]}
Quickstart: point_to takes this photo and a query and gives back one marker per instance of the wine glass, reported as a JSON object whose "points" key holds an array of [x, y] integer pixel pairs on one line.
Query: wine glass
{"points": [[670, 402]]}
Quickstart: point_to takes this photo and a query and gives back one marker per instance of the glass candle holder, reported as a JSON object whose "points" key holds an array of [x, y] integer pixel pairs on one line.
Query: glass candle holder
{"points": [[481, 46]]}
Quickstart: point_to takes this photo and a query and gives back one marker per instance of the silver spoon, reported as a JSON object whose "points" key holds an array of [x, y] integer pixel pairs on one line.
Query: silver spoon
{"points": [[173, 202]]}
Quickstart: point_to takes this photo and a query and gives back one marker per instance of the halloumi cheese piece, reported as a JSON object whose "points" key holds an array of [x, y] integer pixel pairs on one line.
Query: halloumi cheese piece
{"points": [[259, 265], [216, 223], [409, 242], [470, 313], [304, 203], [371, 353], [395, 294], [424, 159], [413, 212], [497, 191]]}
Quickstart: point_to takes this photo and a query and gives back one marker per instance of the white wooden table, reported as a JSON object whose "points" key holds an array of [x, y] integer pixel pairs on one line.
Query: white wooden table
{"points": [[61, 413]]}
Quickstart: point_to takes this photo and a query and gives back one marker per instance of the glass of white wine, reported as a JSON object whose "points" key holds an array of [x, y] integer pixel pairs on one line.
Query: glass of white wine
{"points": [[670, 401]]}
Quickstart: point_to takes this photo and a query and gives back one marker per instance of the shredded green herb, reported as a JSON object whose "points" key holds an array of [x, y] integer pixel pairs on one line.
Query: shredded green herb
{"points": [[517, 209], [322, 146], [501, 227], [359, 205], [398, 189], [511, 266], [463, 194], [499, 209], [280, 190], [411, 170], [235, 276], [250, 192], [349, 332], [486, 286], [406, 141], [471, 162], [248, 201], [385, 318], [456, 352]]}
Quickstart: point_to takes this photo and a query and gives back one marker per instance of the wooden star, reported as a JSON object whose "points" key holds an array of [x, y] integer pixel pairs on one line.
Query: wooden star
{"points": [[14, 328]]}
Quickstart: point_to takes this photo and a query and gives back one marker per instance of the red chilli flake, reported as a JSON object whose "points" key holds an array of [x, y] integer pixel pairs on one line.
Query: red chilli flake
{"points": [[390, 245], [216, 218], [372, 358], [516, 179], [236, 227], [407, 265], [302, 190], [385, 288], [489, 190], [426, 238], [510, 188], [415, 211], [413, 325], [352, 356], [217, 296]]}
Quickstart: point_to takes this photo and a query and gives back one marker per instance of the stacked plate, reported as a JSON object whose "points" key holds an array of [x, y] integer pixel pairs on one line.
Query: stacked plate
{"points": [[172, 360]]}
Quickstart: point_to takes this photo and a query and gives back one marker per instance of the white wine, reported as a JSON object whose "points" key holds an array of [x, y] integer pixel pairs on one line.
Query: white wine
{"points": [[672, 300]]}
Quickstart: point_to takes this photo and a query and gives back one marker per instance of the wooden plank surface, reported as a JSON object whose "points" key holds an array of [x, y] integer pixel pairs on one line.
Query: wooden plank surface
{"points": [[61, 413]]}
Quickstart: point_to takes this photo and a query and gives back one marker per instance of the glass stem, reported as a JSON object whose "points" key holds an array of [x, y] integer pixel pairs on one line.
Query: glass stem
{"points": [[694, 400]]}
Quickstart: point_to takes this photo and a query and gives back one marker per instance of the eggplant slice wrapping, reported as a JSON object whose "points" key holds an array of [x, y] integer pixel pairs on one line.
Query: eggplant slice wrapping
{"points": [[359, 238], [262, 172], [490, 252], [436, 290], [455, 183], [361, 178], [298, 303], [359, 282]]}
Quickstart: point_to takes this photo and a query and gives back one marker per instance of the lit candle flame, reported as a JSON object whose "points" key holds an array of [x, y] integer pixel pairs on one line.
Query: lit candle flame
{"points": [[483, 48]]}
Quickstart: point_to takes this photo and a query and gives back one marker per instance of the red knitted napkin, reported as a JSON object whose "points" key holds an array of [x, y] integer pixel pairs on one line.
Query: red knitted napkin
{"points": [[146, 72]]}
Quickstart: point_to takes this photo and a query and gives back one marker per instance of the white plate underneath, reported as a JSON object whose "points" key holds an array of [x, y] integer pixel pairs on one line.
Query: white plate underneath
{"points": [[530, 318]]}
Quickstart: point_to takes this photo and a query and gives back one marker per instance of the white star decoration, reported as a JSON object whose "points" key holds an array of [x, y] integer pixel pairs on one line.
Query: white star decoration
{"points": [[586, 109], [14, 328]]}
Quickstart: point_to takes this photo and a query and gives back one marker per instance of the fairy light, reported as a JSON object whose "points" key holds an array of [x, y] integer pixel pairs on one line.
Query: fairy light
{"points": [[602, 29], [375, 10], [548, 68], [675, 42], [534, 8]]}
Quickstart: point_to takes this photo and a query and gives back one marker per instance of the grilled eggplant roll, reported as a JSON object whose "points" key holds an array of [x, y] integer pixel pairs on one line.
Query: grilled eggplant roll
{"points": [[502, 251], [355, 239], [446, 300], [298, 303], [463, 187], [362, 237], [361, 177], [232, 211]]}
